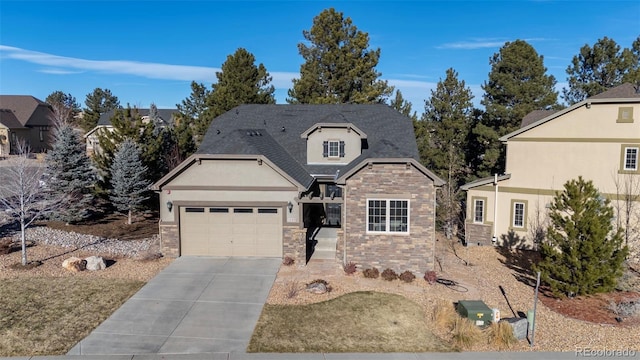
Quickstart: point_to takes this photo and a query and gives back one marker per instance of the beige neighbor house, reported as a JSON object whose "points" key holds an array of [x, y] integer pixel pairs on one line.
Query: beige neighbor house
{"points": [[598, 139], [24, 117], [104, 124], [339, 182]]}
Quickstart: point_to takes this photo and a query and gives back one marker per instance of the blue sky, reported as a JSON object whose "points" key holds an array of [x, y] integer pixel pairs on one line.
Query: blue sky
{"points": [[150, 51]]}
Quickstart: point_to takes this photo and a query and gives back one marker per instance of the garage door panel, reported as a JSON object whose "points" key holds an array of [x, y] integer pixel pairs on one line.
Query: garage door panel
{"points": [[228, 231]]}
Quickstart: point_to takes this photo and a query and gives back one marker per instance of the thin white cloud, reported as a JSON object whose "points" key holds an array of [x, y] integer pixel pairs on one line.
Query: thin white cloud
{"points": [[473, 44], [68, 65]]}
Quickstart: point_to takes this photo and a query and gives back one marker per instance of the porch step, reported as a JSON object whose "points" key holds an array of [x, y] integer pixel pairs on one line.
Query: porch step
{"points": [[326, 244], [324, 254]]}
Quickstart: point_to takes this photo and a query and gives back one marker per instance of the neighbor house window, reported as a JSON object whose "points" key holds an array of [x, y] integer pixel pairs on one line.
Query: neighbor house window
{"points": [[333, 149], [631, 158], [519, 214], [388, 216], [478, 211], [625, 114]]}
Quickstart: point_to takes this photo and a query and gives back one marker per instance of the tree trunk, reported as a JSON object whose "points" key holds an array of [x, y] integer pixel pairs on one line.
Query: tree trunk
{"points": [[129, 220], [23, 241]]}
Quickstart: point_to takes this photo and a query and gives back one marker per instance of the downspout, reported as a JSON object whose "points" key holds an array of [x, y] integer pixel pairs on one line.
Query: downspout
{"points": [[494, 240], [344, 223]]}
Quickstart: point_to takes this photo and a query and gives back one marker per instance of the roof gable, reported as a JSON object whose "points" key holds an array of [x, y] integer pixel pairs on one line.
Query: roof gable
{"points": [[28, 110], [166, 115]]}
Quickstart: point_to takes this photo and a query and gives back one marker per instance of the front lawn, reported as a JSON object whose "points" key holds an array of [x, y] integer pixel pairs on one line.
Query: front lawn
{"points": [[355, 322], [49, 315]]}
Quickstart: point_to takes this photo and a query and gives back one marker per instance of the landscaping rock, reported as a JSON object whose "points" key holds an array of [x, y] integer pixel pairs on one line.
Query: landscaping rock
{"points": [[74, 264], [95, 263], [317, 288], [519, 326]]}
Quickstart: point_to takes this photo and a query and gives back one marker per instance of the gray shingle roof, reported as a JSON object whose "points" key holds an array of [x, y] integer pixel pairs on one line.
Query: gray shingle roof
{"points": [[9, 119], [389, 134], [165, 114], [534, 116], [28, 110], [624, 91]]}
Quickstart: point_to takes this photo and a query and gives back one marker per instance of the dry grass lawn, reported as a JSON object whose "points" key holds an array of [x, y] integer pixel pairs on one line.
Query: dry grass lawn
{"points": [[356, 322], [49, 315]]}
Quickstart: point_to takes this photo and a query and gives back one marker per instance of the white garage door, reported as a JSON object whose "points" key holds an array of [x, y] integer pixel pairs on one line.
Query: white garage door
{"points": [[231, 231]]}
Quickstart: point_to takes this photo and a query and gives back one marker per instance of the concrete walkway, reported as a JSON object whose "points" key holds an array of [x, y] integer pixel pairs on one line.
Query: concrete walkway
{"points": [[195, 305]]}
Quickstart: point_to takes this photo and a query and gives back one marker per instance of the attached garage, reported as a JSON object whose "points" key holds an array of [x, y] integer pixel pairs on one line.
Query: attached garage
{"points": [[231, 231]]}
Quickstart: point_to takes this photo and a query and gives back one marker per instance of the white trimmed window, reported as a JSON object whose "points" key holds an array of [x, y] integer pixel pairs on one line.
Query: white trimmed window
{"points": [[631, 158], [333, 149], [388, 216], [518, 214], [478, 211]]}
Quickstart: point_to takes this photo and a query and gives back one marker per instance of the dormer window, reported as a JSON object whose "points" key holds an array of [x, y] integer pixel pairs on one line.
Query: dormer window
{"points": [[333, 149]]}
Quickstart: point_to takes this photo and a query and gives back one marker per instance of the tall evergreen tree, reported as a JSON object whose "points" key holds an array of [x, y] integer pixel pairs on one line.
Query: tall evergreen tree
{"points": [[601, 67], [98, 102], [517, 85], [447, 119], [339, 68], [71, 175], [241, 81], [581, 254], [194, 112], [403, 106], [65, 107], [128, 179]]}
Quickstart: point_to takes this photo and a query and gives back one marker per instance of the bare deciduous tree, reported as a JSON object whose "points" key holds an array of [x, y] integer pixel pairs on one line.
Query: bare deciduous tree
{"points": [[23, 192], [626, 205]]}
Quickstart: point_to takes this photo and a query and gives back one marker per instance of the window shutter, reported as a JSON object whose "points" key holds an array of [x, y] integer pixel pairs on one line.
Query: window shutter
{"points": [[341, 148], [325, 149]]}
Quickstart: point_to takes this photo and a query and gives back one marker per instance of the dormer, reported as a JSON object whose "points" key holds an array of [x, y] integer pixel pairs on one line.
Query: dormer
{"points": [[333, 143]]}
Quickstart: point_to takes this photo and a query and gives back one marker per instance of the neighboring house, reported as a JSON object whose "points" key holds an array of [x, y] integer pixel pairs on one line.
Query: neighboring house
{"points": [[24, 117], [598, 139], [334, 181], [104, 124]]}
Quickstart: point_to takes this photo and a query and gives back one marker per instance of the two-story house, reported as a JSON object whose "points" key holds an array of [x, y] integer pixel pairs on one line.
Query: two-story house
{"points": [[92, 137], [272, 180], [25, 118], [598, 139]]}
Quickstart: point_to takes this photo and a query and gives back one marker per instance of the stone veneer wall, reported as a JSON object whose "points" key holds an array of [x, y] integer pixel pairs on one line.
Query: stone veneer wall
{"points": [[413, 252], [478, 234], [169, 240], [294, 243]]}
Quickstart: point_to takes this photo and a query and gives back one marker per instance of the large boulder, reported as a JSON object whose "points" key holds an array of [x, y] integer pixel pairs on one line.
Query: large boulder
{"points": [[74, 264], [95, 263]]}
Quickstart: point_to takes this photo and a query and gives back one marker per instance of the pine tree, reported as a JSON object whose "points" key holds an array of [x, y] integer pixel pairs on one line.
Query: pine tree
{"points": [[65, 107], [447, 119], [403, 106], [517, 85], [71, 175], [581, 254], [98, 102], [128, 179], [194, 113], [239, 82], [601, 67], [339, 68]]}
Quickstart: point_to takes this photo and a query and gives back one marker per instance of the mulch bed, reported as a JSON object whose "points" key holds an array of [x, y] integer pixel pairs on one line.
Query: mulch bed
{"points": [[594, 308]]}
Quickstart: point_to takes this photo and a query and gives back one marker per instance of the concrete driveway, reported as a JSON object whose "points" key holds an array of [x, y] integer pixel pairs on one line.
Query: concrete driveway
{"points": [[195, 305]]}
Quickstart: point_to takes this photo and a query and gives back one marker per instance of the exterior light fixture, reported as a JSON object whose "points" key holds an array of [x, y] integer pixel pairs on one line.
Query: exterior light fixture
{"points": [[290, 206], [169, 205]]}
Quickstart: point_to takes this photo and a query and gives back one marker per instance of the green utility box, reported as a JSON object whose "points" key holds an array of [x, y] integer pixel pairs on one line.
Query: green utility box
{"points": [[476, 311]]}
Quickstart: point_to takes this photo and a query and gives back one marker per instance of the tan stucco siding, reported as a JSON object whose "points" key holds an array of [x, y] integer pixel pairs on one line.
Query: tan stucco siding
{"points": [[548, 165], [226, 197], [231, 173], [352, 145], [598, 122]]}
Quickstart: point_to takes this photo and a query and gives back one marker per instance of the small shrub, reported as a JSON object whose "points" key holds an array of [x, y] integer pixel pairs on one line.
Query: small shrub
{"points": [[291, 288], [444, 314], [288, 261], [350, 268], [149, 255], [6, 246], [389, 275], [500, 335], [465, 333], [372, 273], [625, 308], [430, 277], [407, 276]]}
